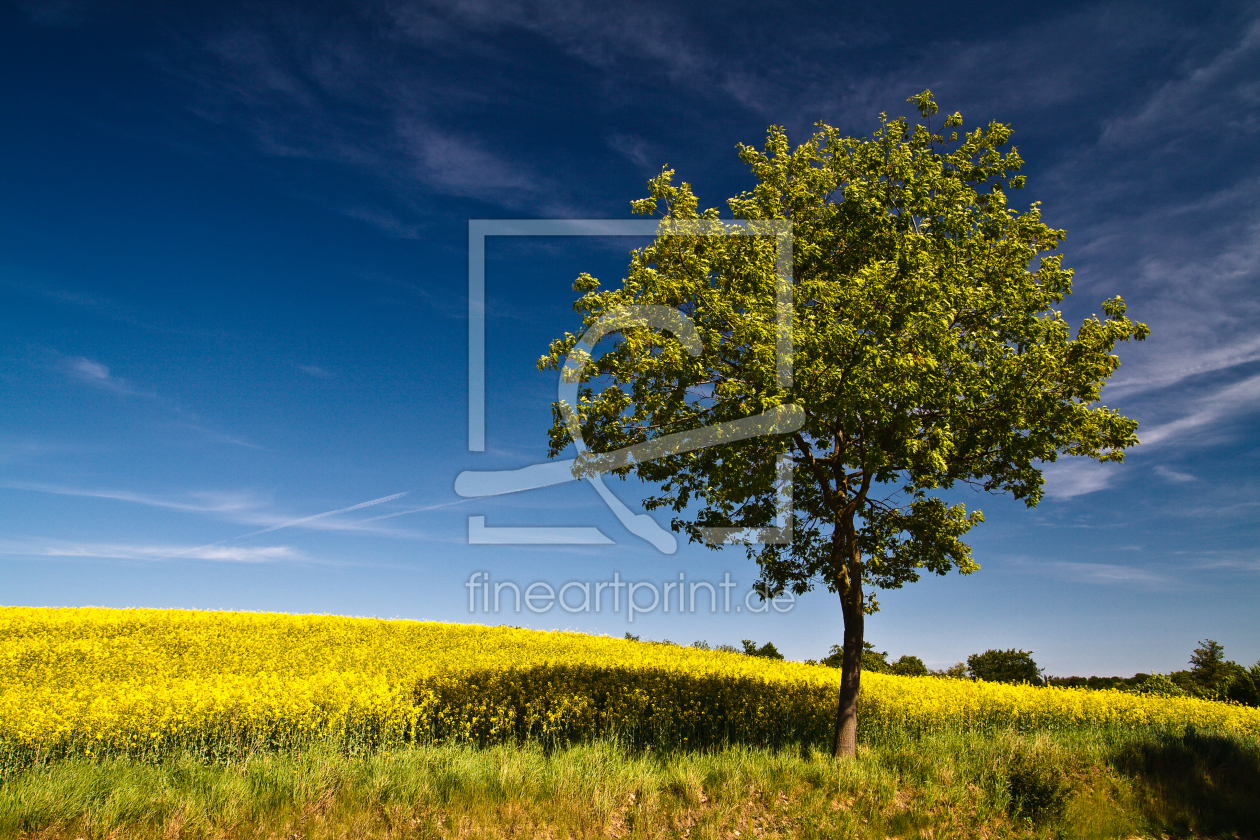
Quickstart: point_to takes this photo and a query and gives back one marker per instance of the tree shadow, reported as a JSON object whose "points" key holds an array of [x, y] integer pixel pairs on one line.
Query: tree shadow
{"points": [[1196, 783]]}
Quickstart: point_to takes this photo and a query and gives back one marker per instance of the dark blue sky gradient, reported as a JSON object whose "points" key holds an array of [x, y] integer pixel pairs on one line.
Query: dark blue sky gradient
{"points": [[233, 279]]}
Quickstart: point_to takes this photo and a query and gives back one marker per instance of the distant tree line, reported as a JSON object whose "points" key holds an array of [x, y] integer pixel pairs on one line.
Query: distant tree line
{"points": [[1210, 676]]}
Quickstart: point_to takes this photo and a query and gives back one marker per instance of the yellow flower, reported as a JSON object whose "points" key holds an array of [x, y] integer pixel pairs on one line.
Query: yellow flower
{"points": [[221, 681]]}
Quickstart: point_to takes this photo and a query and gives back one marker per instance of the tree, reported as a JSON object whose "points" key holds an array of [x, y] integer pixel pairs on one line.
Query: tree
{"points": [[1214, 677], [957, 671], [1244, 686], [1208, 668], [766, 651], [908, 666], [874, 661], [925, 354], [1008, 666]]}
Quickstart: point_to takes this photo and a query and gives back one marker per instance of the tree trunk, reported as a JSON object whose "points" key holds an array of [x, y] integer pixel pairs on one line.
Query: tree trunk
{"points": [[845, 743]]}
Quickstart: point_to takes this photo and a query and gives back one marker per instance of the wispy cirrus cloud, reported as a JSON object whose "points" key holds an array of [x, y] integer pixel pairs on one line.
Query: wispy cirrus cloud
{"points": [[1208, 412], [97, 375], [1071, 477], [246, 508], [1105, 573], [99, 305], [1175, 476], [222, 437], [150, 552], [59, 13], [1245, 560], [1173, 369], [307, 520], [1220, 93], [1208, 422], [304, 86], [216, 502], [1154, 573], [635, 149]]}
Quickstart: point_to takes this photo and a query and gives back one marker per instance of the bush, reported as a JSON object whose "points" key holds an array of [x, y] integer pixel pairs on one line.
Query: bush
{"points": [[1038, 787], [1158, 685], [766, 651], [1244, 688], [908, 666], [957, 671], [1005, 666], [874, 661]]}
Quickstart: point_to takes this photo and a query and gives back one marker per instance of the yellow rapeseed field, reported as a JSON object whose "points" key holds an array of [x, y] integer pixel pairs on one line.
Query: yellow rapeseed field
{"points": [[146, 682]]}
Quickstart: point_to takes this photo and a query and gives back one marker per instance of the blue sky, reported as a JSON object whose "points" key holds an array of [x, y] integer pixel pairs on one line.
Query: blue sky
{"points": [[233, 296]]}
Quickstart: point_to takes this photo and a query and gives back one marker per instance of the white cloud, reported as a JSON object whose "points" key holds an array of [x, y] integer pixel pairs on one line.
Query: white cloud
{"points": [[1243, 561], [1072, 477], [302, 88], [306, 520], [315, 371], [642, 38], [220, 437], [60, 13], [1173, 368], [194, 502], [1226, 403], [460, 166], [97, 375], [636, 150], [151, 552], [89, 369], [1173, 475], [245, 554], [241, 507], [1105, 573], [1198, 95]]}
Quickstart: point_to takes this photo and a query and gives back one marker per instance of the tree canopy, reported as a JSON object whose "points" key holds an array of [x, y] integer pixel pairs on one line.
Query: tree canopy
{"points": [[924, 350], [1008, 666]]}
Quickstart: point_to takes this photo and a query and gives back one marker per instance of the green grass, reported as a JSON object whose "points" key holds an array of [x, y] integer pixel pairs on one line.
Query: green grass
{"points": [[948, 784]]}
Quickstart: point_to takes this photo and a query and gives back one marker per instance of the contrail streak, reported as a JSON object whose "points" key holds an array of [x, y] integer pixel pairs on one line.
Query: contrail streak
{"points": [[290, 524], [424, 509], [321, 516]]}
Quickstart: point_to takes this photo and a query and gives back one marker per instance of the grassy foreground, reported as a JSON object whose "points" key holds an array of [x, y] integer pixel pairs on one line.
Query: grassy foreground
{"points": [[941, 785]]}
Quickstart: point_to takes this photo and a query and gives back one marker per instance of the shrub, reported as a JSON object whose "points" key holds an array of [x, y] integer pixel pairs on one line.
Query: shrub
{"points": [[1244, 688], [766, 651], [874, 661], [1158, 685], [1005, 666], [1038, 787], [908, 666]]}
